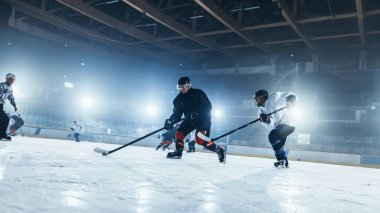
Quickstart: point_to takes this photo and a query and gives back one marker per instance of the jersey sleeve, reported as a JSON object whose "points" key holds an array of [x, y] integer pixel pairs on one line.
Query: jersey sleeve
{"points": [[205, 103], [177, 112], [288, 94], [12, 99]]}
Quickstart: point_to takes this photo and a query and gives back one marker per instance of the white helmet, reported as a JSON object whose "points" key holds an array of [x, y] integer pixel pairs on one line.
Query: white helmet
{"points": [[10, 75]]}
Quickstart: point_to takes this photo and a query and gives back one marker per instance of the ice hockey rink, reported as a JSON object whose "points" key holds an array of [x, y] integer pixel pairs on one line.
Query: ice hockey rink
{"points": [[42, 175]]}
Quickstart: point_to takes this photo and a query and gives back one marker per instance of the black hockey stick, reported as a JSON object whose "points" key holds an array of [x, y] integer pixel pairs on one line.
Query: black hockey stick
{"points": [[106, 152], [205, 138]]}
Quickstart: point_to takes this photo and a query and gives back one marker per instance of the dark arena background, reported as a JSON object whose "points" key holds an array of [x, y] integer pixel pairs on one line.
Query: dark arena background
{"points": [[113, 67]]}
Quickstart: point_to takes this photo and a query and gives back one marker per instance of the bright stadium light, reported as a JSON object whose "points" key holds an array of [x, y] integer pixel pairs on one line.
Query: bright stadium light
{"points": [[69, 85], [87, 102], [17, 93], [151, 110], [296, 113], [217, 113]]}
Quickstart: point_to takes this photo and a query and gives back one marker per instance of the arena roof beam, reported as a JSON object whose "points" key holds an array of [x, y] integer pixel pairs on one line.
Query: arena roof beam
{"points": [[359, 12], [289, 17], [272, 25], [112, 22], [317, 38], [159, 16], [36, 31], [74, 28], [229, 22], [277, 24]]}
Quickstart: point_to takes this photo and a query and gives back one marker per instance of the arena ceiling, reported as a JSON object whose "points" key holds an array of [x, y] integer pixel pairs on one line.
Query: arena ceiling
{"points": [[200, 29]]}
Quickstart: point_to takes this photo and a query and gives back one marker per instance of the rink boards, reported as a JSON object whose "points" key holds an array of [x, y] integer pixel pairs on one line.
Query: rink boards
{"points": [[300, 155]]}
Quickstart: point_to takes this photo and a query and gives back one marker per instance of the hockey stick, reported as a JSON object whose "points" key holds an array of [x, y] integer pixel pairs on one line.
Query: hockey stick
{"points": [[205, 138], [106, 152]]}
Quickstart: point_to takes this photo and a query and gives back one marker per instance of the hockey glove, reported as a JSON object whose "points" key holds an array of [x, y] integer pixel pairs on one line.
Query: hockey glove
{"points": [[264, 118]]}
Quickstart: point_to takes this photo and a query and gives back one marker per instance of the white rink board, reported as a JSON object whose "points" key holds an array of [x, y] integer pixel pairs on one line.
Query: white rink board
{"points": [[298, 154], [302, 155], [41, 175]]}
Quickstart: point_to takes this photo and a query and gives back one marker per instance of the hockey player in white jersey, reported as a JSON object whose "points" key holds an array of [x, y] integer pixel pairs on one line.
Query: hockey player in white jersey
{"points": [[278, 123], [191, 142], [6, 93], [77, 129]]}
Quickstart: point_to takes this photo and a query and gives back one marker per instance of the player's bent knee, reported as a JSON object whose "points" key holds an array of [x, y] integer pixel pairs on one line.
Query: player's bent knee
{"points": [[179, 135], [199, 140], [285, 130], [274, 137]]}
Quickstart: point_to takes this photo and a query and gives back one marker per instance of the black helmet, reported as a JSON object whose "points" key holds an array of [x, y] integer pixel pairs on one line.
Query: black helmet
{"points": [[260, 94], [183, 80]]}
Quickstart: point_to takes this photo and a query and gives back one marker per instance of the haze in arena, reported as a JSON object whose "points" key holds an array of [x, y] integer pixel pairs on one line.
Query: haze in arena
{"points": [[189, 106]]}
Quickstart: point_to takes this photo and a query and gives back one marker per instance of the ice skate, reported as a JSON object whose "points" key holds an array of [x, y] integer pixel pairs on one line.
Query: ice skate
{"points": [[174, 155]]}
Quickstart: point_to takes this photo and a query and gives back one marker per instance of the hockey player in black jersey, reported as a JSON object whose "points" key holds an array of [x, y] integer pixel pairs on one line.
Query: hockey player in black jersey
{"points": [[195, 105], [6, 93]]}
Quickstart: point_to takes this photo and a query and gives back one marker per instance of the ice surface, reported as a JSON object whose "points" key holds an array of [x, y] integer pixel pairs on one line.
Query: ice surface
{"points": [[40, 175]]}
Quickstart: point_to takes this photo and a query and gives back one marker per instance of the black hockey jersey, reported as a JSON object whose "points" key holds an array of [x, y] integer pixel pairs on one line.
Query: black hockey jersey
{"points": [[194, 101]]}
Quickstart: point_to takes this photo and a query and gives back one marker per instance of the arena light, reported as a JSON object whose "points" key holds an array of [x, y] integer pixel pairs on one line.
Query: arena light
{"points": [[17, 93], [151, 110], [68, 85], [217, 113], [196, 17], [87, 102], [296, 114]]}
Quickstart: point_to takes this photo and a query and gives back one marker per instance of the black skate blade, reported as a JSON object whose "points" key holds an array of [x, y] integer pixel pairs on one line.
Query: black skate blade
{"points": [[174, 158], [224, 156], [278, 165]]}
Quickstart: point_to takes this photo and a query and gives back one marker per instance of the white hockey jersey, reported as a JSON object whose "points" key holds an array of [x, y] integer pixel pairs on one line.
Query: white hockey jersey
{"points": [[76, 128], [6, 92], [276, 101]]}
